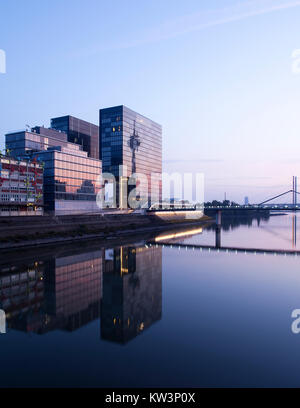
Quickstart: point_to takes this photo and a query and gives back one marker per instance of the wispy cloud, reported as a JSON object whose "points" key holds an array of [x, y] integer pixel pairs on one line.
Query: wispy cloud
{"points": [[177, 161], [199, 21], [202, 20]]}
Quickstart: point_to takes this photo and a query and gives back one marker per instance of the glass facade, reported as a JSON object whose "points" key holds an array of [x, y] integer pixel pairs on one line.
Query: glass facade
{"points": [[134, 141], [70, 177], [25, 143], [71, 180], [80, 132]]}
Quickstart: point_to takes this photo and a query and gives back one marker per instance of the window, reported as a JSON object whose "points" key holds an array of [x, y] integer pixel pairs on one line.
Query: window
{"points": [[5, 173], [4, 197]]}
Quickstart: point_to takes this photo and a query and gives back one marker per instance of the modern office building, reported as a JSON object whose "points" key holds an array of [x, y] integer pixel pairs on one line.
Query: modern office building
{"points": [[80, 132], [134, 142], [24, 143], [71, 178], [21, 187], [130, 147]]}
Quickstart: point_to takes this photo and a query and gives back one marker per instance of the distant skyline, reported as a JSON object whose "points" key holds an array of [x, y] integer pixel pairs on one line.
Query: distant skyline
{"points": [[217, 75]]}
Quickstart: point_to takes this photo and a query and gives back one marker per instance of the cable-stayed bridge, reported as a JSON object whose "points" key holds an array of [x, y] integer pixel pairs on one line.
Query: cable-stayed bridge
{"points": [[171, 241], [266, 205]]}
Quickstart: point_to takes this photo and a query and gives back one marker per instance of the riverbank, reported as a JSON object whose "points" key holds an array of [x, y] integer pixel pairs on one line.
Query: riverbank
{"points": [[42, 231], [20, 255]]}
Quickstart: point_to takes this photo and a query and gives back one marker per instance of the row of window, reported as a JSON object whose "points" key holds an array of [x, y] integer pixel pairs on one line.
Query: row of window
{"points": [[13, 188], [110, 143], [47, 157], [16, 209], [16, 175], [75, 197], [71, 182], [17, 198], [112, 152], [78, 168], [113, 119]]}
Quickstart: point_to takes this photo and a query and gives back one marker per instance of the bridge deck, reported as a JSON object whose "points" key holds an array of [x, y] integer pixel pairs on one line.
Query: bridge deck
{"points": [[233, 208], [255, 208]]}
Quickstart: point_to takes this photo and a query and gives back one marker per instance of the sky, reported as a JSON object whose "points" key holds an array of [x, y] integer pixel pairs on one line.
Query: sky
{"points": [[221, 76]]}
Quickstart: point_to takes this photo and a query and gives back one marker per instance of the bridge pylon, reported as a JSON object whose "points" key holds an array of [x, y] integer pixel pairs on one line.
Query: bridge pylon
{"points": [[295, 192]]}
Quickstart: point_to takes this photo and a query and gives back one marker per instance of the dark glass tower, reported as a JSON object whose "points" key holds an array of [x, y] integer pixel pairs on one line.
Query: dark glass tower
{"points": [[134, 141], [80, 132]]}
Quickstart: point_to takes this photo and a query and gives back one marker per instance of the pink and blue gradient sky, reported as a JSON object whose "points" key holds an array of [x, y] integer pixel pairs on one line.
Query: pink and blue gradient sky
{"points": [[217, 75]]}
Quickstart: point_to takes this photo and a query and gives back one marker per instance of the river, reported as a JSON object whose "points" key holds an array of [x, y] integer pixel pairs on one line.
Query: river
{"points": [[169, 310]]}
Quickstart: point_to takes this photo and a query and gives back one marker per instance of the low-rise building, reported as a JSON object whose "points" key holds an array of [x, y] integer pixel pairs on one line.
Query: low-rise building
{"points": [[23, 143], [21, 187]]}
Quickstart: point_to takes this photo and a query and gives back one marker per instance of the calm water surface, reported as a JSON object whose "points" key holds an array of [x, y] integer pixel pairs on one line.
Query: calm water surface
{"points": [[155, 314]]}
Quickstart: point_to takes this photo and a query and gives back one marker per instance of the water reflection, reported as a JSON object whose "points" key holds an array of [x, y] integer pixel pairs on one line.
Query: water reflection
{"points": [[86, 302], [132, 292], [122, 285], [58, 293], [277, 232], [231, 222]]}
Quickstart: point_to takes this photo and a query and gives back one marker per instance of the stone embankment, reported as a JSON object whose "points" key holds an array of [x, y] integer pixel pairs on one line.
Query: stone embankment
{"points": [[27, 231]]}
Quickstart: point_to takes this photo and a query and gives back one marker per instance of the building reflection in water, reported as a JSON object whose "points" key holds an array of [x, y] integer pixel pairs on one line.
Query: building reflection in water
{"points": [[73, 288], [22, 296], [123, 286], [60, 293], [132, 292]]}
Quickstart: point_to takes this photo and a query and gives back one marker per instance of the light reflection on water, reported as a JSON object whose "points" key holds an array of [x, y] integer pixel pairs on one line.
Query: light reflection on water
{"points": [[141, 315], [276, 232]]}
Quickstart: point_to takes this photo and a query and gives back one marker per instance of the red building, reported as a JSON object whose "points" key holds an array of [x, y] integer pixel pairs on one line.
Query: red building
{"points": [[21, 187]]}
